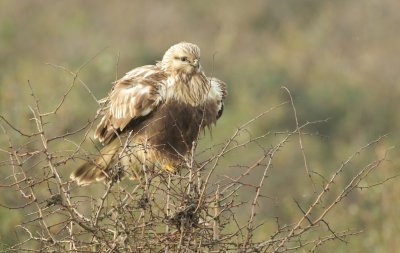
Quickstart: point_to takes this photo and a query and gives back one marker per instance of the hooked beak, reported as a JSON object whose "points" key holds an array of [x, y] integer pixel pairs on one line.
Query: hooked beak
{"points": [[196, 63]]}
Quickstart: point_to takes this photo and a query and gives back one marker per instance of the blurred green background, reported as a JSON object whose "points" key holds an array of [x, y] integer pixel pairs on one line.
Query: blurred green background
{"points": [[340, 60]]}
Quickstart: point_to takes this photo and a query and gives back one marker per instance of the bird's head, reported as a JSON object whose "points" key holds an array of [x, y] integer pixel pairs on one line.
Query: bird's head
{"points": [[182, 58]]}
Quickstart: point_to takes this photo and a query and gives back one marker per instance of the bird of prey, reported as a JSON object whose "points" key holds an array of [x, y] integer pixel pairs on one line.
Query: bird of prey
{"points": [[153, 116]]}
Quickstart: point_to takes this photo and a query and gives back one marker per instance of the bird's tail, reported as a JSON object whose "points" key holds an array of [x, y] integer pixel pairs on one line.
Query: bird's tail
{"points": [[96, 170]]}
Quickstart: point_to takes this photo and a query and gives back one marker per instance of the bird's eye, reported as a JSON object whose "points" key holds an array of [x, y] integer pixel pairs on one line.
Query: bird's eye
{"points": [[184, 58]]}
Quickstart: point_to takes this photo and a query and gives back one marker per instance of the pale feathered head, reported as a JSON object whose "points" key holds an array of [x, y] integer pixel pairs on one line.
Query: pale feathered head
{"points": [[182, 58]]}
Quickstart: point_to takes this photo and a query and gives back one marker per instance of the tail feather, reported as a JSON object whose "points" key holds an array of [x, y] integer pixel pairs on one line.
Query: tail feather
{"points": [[96, 170]]}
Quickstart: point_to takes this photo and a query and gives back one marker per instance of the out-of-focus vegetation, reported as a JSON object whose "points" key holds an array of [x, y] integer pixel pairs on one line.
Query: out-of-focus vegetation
{"points": [[340, 60]]}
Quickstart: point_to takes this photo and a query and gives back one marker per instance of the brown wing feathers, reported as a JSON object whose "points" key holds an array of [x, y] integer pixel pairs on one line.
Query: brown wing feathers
{"points": [[133, 96]]}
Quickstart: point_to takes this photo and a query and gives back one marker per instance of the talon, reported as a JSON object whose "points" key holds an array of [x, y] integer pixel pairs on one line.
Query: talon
{"points": [[169, 168]]}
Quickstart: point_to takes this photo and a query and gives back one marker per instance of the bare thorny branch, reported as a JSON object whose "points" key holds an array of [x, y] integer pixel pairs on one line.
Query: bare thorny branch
{"points": [[199, 209]]}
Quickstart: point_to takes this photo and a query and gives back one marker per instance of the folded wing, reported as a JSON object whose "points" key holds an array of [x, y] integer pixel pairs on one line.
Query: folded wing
{"points": [[217, 94], [134, 96]]}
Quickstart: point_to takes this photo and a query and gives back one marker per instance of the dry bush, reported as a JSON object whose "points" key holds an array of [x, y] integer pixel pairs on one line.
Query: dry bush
{"points": [[191, 211]]}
